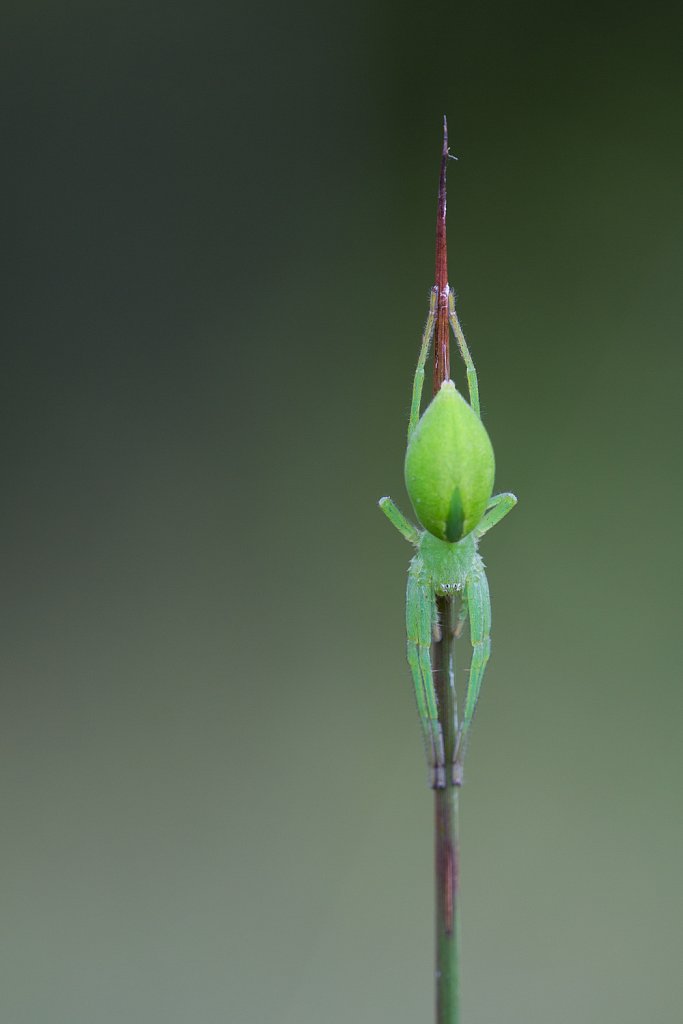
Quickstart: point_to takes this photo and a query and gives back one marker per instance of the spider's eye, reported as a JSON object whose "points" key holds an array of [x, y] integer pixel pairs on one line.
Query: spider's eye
{"points": [[449, 466]]}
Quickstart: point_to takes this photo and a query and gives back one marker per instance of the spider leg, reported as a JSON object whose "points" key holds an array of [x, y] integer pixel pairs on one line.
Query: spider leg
{"points": [[461, 618], [498, 507], [437, 629], [397, 519], [419, 619], [472, 380], [479, 604], [422, 359]]}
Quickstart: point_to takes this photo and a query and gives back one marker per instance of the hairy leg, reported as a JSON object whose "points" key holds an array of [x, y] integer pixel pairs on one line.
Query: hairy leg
{"points": [[419, 619], [479, 604], [420, 371], [397, 519], [461, 617], [497, 508], [437, 630], [472, 381]]}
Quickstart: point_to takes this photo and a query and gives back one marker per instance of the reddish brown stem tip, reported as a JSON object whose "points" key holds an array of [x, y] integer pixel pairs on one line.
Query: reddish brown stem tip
{"points": [[442, 363]]}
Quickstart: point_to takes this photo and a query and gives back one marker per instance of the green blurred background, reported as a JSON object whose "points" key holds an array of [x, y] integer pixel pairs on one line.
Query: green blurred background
{"points": [[218, 246]]}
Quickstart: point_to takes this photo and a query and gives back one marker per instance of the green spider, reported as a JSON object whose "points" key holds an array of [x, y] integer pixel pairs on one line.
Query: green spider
{"points": [[449, 476]]}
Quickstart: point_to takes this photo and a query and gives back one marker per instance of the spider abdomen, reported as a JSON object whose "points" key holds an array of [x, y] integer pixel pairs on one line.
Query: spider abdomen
{"points": [[449, 466]]}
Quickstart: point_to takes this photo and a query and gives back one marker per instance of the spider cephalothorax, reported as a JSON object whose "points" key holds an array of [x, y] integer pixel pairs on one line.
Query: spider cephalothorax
{"points": [[447, 566]]}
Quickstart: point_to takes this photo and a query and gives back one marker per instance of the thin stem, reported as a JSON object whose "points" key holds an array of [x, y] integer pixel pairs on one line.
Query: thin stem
{"points": [[446, 832], [447, 906], [442, 365], [446, 842]]}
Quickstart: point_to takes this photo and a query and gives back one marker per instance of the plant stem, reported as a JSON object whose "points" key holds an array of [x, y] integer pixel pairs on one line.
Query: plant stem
{"points": [[442, 363], [446, 833]]}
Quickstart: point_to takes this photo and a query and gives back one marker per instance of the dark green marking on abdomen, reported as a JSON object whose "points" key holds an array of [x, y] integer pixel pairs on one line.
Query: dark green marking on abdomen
{"points": [[456, 518]]}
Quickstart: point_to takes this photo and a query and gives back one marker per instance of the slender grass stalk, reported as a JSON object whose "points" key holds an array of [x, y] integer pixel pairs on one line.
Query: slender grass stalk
{"points": [[446, 810], [446, 834], [449, 472]]}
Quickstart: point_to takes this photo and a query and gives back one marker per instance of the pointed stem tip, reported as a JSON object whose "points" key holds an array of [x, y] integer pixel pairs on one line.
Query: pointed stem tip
{"points": [[442, 368]]}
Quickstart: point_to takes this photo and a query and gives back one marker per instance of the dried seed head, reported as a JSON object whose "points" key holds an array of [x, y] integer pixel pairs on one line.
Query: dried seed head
{"points": [[449, 466]]}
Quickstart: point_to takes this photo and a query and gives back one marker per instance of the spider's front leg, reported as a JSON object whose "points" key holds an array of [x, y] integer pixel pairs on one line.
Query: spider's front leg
{"points": [[461, 617], [419, 619], [479, 608]]}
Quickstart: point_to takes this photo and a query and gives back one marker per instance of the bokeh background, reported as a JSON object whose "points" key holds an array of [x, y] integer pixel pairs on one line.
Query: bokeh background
{"points": [[218, 247]]}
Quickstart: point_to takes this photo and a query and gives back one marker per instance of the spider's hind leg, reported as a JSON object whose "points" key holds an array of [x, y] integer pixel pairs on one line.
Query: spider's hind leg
{"points": [[472, 381], [498, 507], [418, 380]]}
